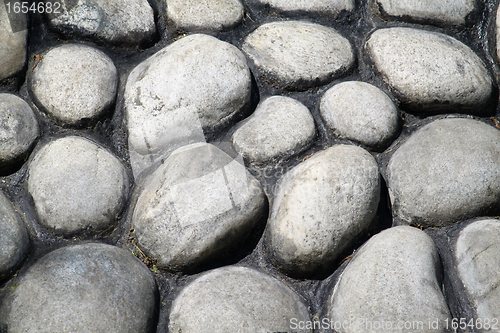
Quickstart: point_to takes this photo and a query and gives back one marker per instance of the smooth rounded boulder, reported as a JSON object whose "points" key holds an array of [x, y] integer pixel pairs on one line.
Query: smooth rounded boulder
{"points": [[13, 42], [330, 8]]}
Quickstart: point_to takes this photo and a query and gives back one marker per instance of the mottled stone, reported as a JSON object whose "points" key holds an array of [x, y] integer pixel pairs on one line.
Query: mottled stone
{"points": [[330, 8], [13, 42]]}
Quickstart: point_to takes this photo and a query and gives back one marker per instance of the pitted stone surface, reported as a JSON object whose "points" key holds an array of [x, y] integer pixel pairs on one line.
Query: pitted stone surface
{"points": [[251, 302], [77, 185], [298, 55], [114, 21], [447, 12], [430, 72], [447, 171], [18, 128], [328, 7], [196, 84], [198, 204], [205, 15], [13, 44], [392, 279], [280, 127], [477, 253], [14, 239], [74, 82], [83, 288], [361, 112], [321, 206]]}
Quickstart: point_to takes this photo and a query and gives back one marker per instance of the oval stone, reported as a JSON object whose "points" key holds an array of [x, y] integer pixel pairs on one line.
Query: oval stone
{"points": [[330, 8], [13, 42]]}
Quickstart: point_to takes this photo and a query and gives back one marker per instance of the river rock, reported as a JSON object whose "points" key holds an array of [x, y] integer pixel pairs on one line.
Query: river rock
{"points": [[13, 42], [330, 8]]}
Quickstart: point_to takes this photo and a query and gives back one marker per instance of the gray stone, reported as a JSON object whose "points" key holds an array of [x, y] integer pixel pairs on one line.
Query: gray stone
{"points": [[330, 7], [442, 12], [392, 281], [77, 185], [195, 84], [114, 21], [197, 205], [446, 172], [361, 112], [14, 239], [205, 15], [83, 288], [236, 300], [320, 207], [430, 72], [12, 43], [74, 82], [477, 253], [18, 128], [298, 55], [280, 127], [497, 32]]}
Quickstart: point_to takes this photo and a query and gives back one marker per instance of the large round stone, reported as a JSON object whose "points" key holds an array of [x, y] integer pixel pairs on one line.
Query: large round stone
{"points": [[77, 185], [236, 300], [199, 204], [74, 82], [321, 206], [298, 55], [83, 288], [13, 40], [447, 171], [430, 72], [327, 8]]}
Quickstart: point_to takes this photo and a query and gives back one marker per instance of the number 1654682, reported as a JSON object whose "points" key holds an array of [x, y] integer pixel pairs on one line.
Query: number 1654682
{"points": [[40, 7]]}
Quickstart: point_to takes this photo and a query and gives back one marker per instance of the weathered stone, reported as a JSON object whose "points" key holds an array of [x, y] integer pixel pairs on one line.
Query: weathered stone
{"points": [[430, 72], [328, 8], [298, 55], [321, 206], [279, 128], [83, 288], [13, 41], [361, 112], [392, 284], [447, 171], [249, 300], [77, 185], [196, 206]]}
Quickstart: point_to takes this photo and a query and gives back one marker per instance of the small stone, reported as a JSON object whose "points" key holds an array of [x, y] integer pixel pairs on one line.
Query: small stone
{"points": [[129, 22], [298, 55], [83, 288], [392, 279], [430, 72], [477, 253], [330, 8], [205, 15], [279, 128], [18, 129], [194, 86], [13, 42], [237, 300], [77, 185], [442, 12], [14, 239], [197, 205], [447, 171], [361, 112], [497, 30], [74, 83], [321, 206]]}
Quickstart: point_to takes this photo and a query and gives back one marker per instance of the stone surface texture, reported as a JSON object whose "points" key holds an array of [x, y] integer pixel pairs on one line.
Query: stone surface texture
{"points": [[330, 7], [13, 44]]}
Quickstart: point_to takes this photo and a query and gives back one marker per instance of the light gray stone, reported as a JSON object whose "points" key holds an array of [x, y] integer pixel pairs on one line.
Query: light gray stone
{"points": [[477, 253], [298, 55], [446, 172], [236, 300], [83, 288], [14, 239], [280, 127], [195, 85], [330, 7], [430, 72], [361, 112], [392, 281], [74, 82], [497, 32], [12, 43], [77, 185], [447, 12], [196, 206], [18, 129], [205, 15], [129, 22], [320, 207]]}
